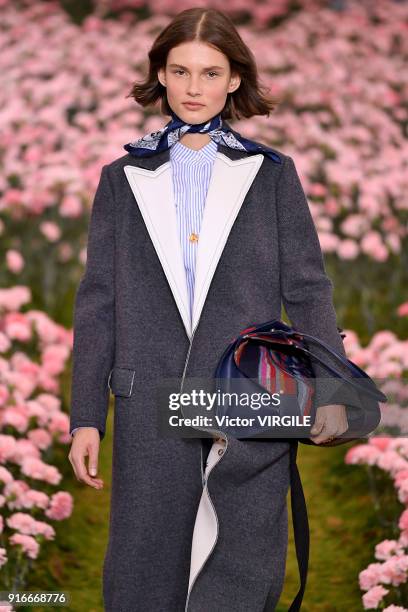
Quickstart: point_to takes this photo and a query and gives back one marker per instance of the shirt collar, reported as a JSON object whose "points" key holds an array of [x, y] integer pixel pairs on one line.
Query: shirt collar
{"points": [[184, 154]]}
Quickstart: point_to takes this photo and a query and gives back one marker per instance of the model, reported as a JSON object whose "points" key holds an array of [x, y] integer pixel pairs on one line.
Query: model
{"points": [[195, 234]]}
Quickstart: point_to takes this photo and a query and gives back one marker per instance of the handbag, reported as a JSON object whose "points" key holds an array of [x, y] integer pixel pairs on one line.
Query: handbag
{"points": [[274, 355]]}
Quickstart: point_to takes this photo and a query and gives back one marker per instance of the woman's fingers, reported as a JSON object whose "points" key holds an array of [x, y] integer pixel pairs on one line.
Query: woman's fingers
{"points": [[86, 443], [330, 422]]}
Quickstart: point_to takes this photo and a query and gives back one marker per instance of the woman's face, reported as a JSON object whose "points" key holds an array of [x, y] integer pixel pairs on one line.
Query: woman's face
{"points": [[197, 72]]}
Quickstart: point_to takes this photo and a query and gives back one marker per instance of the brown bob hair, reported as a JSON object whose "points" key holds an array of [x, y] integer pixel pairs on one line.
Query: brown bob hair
{"points": [[216, 29]]}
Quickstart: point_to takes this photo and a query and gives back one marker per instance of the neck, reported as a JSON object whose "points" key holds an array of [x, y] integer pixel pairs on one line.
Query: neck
{"points": [[195, 141]]}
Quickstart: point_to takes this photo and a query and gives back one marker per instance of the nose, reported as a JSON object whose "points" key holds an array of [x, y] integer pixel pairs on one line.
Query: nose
{"points": [[193, 88]]}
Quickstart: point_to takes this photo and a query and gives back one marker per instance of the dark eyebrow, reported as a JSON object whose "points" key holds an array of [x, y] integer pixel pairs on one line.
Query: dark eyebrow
{"points": [[185, 68]]}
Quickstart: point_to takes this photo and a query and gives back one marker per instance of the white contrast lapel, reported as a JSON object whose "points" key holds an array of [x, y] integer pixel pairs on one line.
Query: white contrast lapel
{"points": [[229, 184], [153, 190]]}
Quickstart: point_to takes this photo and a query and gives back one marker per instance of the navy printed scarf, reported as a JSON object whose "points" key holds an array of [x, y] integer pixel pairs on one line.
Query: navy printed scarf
{"points": [[161, 140]]}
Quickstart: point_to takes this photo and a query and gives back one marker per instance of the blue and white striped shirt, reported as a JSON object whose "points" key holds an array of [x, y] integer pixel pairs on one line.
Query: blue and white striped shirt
{"points": [[191, 177], [191, 170]]}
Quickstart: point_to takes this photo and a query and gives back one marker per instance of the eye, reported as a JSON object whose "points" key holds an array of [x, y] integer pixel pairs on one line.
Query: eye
{"points": [[212, 72], [179, 70]]}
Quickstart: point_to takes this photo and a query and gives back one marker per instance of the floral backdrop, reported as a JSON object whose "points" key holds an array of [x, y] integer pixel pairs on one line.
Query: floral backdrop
{"points": [[66, 69]]}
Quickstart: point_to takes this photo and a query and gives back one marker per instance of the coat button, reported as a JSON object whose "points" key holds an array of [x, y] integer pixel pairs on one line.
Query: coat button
{"points": [[220, 451]]}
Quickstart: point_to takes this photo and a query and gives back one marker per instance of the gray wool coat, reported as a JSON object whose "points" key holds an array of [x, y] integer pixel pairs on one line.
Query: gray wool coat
{"points": [[258, 249]]}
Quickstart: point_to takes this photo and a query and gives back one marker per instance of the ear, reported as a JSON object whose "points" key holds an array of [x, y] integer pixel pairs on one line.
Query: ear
{"points": [[161, 76], [235, 82]]}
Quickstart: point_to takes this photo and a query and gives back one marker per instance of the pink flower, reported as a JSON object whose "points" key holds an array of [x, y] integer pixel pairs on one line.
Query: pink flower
{"points": [[393, 608], [44, 529], [5, 343], [37, 469], [22, 522], [370, 576], [380, 442], [374, 596], [387, 548], [394, 570], [362, 453], [70, 206], [35, 409], [347, 249], [372, 245], [328, 241], [48, 331], [50, 402], [54, 358], [33, 498], [403, 539], [60, 506], [14, 418], [40, 437], [29, 545], [391, 461], [26, 524], [50, 230], [5, 475], [3, 560], [14, 261], [402, 310], [14, 297], [58, 422], [401, 483], [355, 225], [15, 489], [17, 326], [7, 447], [403, 520], [399, 444]]}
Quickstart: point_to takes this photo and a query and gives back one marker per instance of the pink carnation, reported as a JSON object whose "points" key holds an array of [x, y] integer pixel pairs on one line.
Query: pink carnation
{"points": [[387, 548], [60, 506], [394, 570], [33, 498], [44, 529], [391, 461], [370, 576], [362, 453], [14, 260], [3, 560], [5, 475], [7, 447], [13, 298], [374, 596], [22, 522], [17, 326], [403, 520], [380, 442], [40, 437], [29, 544], [36, 468]]}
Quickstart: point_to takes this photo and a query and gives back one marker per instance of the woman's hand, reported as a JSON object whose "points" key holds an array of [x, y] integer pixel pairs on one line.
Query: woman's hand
{"points": [[86, 443], [331, 421]]}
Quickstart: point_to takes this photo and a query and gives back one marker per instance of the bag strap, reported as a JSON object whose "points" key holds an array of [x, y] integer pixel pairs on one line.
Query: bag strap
{"points": [[373, 391], [301, 531]]}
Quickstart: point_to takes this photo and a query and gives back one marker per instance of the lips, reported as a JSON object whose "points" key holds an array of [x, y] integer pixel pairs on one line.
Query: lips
{"points": [[193, 104]]}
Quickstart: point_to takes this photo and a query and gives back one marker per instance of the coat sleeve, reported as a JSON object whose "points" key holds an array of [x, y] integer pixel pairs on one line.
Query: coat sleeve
{"points": [[93, 328], [306, 290]]}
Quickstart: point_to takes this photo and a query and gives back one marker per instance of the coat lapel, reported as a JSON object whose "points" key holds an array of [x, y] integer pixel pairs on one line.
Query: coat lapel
{"points": [[151, 182]]}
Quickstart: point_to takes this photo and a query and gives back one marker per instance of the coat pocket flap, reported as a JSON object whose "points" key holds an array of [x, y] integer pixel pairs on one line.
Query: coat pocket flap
{"points": [[121, 381]]}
